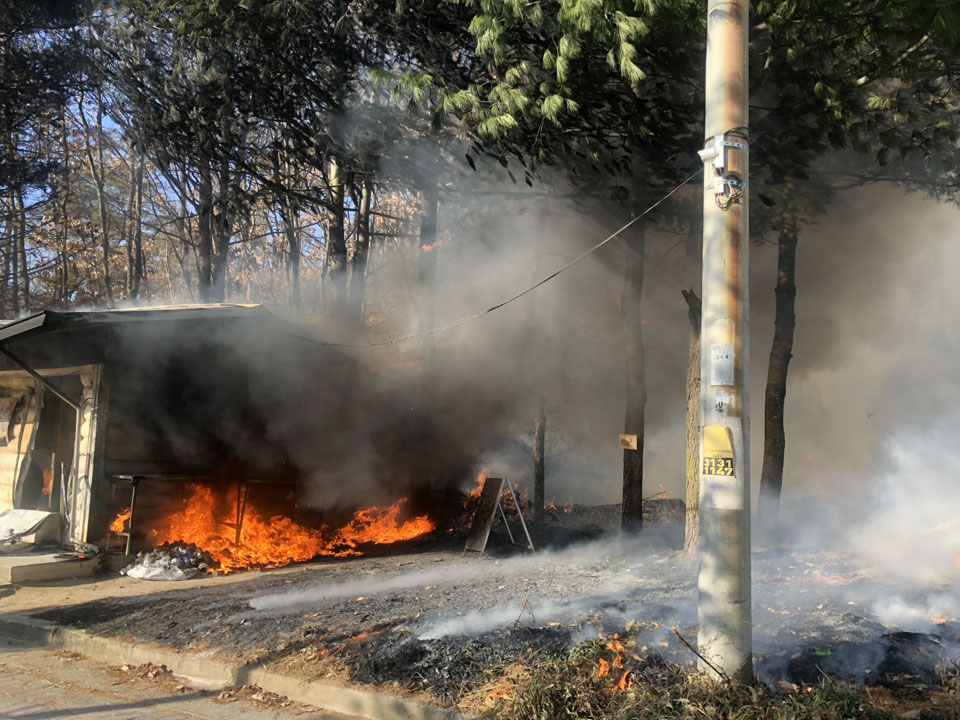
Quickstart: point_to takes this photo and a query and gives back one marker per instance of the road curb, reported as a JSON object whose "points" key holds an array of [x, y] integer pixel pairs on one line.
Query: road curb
{"points": [[324, 696]]}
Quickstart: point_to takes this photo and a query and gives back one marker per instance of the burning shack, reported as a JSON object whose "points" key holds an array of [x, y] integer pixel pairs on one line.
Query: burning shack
{"points": [[133, 427]]}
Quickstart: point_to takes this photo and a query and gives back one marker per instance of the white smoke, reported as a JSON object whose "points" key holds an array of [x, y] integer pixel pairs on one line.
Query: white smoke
{"points": [[912, 537], [914, 532]]}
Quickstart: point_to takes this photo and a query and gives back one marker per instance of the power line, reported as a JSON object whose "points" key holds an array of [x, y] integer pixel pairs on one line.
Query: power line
{"points": [[548, 278]]}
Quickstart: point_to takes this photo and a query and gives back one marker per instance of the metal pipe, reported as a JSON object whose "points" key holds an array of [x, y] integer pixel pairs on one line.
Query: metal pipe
{"points": [[241, 508], [523, 523], [134, 481], [505, 523], [40, 379]]}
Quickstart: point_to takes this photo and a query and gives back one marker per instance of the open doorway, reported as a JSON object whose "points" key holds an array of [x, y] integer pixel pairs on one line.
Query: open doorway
{"points": [[47, 464]]}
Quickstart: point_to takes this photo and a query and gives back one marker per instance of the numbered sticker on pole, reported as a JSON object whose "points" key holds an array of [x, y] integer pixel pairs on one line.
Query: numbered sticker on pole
{"points": [[721, 364], [717, 451]]}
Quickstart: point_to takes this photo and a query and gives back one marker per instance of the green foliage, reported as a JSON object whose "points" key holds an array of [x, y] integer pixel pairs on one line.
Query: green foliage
{"points": [[41, 63], [608, 79]]}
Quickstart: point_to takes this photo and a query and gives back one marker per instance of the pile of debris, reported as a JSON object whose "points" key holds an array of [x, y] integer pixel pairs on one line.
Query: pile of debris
{"points": [[171, 561]]}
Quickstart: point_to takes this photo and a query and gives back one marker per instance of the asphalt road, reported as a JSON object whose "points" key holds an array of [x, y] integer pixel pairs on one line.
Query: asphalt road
{"points": [[40, 684]]}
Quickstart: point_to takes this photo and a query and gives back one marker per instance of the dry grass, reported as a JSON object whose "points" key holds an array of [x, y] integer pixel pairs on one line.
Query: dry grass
{"points": [[574, 686]]}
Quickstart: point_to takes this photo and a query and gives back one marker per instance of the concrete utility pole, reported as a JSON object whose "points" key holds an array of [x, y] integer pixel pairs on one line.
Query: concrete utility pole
{"points": [[725, 637]]}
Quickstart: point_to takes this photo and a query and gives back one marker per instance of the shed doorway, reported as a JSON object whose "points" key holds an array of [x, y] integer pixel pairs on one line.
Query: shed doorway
{"points": [[46, 466]]}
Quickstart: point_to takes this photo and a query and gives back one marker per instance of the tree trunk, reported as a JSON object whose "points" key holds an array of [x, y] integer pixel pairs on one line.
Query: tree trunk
{"points": [[97, 169], [222, 223], [336, 255], [133, 225], [139, 267], [188, 255], [64, 201], [22, 249], [531, 363], [774, 438], [205, 232], [691, 536], [358, 272], [631, 517], [539, 459], [291, 231], [428, 275], [128, 229], [10, 275], [290, 219]]}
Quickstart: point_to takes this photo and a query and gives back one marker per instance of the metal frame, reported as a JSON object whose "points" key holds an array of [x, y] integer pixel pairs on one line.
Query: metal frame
{"points": [[243, 490], [506, 523], [519, 514]]}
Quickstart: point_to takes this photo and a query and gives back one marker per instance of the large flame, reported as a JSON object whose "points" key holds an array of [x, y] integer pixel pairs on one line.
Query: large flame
{"points": [[277, 540]]}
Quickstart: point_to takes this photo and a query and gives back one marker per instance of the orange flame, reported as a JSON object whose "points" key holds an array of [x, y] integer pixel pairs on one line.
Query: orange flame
{"points": [[568, 508], [626, 680], [277, 540], [120, 521], [523, 498], [475, 493], [428, 248], [956, 562], [606, 667]]}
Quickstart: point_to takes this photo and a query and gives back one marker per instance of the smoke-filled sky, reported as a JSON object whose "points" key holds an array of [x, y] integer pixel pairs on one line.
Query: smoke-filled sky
{"points": [[876, 340], [872, 359]]}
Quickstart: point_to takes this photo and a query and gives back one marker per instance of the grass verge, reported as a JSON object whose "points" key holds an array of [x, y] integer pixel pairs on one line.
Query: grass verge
{"points": [[610, 679]]}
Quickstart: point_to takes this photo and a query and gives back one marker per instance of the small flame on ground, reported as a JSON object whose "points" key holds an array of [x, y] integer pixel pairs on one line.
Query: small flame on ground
{"points": [[120, 521], [277, 540], [428, 248], [606, 667]]}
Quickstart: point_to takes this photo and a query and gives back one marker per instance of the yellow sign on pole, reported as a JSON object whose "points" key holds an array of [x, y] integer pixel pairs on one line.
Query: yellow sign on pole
{"points": [[717, 450]]}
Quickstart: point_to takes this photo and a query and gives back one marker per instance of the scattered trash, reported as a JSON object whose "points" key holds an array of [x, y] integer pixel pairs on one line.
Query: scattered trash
{"points": [[170, 561]]}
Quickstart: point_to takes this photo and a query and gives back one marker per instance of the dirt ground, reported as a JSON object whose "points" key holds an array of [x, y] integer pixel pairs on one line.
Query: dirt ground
{"points": [[38, 683], [422, 618]]}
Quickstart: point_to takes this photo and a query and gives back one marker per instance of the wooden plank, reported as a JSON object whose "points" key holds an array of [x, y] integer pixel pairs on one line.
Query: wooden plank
{"points": [[485, 514]]}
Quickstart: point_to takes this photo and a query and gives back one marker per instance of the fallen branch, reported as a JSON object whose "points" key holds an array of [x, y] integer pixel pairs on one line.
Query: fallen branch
{"points": [[706, 662], [524, 608]]}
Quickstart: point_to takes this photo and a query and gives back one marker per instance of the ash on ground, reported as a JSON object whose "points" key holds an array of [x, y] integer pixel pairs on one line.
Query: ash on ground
{"points": [[423, 617]]}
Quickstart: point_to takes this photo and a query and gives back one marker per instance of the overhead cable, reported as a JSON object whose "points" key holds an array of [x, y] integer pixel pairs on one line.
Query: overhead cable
{"points": [[544, 281]]}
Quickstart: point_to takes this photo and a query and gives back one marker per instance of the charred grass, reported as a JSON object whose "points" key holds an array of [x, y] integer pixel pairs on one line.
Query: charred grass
{"points": [[602, 679]]}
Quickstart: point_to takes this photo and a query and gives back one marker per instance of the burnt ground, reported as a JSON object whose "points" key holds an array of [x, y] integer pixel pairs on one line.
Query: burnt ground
{"points": [[424, 618]]}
